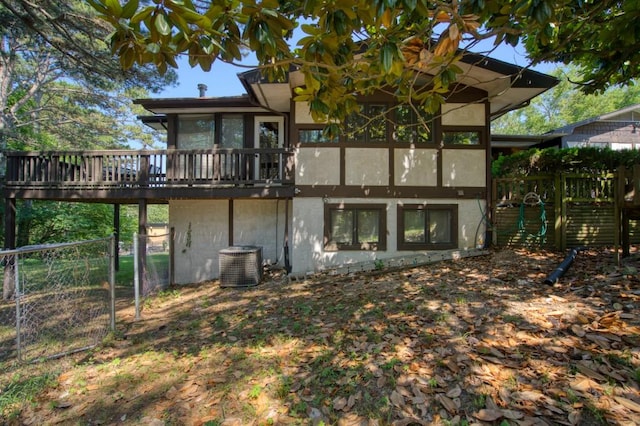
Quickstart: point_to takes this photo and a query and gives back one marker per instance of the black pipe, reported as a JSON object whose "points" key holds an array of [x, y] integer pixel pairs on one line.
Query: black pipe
{"points": [[564, 266]]}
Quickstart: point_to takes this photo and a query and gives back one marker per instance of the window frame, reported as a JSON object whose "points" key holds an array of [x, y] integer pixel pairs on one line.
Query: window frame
{"points": [[481, 131], [380, 245], [314, 127], [404, 245], [366, 130], [413, 128]]}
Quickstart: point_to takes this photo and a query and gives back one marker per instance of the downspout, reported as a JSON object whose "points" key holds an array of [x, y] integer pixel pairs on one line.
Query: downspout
{"points": [[287, 264]]}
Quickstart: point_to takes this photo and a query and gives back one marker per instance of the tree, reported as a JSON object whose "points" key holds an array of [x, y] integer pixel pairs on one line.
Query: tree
{"points": [[60, 85], [356, 46], [564, 104]]}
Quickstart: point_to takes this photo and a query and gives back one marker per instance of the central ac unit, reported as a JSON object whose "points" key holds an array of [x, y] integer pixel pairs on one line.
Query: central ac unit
{"points": [[240, 266]]}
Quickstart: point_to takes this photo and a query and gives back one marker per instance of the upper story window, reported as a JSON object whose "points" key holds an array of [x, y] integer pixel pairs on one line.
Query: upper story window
{"points": [[196, 131], [369, 125], [412, 125], [461, 137], [232, 131], [314, 135]]}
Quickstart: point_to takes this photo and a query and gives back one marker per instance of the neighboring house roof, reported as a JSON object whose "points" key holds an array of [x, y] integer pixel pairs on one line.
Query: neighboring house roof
{"points": [[618, 129], [627, 114], [523, 142]]}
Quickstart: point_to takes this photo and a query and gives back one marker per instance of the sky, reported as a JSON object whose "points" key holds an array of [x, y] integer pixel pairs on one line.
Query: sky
{"points": [[222, 80]]}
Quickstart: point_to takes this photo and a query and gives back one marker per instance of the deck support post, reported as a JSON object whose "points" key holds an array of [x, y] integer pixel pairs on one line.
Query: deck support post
{"points": [[116, 235]]}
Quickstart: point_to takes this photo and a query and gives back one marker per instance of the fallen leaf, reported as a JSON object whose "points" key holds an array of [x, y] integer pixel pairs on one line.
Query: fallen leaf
{"points": [[454, 392], [397, 399], [487, 415], [627, 403], [589, 372], [339, 403], [447, 403]]}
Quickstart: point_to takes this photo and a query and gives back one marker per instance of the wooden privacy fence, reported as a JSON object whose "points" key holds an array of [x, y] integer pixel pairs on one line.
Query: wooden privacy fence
{"points": [[561, 210]]}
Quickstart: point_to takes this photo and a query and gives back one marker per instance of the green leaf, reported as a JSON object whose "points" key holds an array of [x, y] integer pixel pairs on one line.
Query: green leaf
{"points": [[387, 56], [114, 7], [162, 25], [153, 48], [142, 15], [130, 9]]}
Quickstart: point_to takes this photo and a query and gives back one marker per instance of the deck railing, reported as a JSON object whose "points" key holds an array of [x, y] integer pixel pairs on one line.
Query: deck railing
{"points": [[159, 168]]}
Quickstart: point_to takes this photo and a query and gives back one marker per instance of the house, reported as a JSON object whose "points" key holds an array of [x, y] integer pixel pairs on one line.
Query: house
{"points": [[256, 170], [616, 130]]}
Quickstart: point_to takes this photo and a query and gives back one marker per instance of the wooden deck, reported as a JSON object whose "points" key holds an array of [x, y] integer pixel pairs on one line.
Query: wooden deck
{"points": [[157, 176]]}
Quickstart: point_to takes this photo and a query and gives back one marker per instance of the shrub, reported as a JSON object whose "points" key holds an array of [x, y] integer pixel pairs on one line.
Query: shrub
{"points": [[552, 160]]}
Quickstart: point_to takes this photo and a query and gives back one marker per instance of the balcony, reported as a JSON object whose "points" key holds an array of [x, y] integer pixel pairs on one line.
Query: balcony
{"points": [[160, 175]]}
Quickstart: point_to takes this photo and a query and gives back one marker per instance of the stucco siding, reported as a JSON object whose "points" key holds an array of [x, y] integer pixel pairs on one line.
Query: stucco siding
{"points": [[260, 223], [416, 167], [464, 167], [201, 229], [367, 166], [318, 166], [456, 114], [303, 114], [308, 254]]}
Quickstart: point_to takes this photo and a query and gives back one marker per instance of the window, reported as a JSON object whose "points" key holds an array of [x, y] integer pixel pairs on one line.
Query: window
{"points": [[461, 138], [355, 227], [412, 125], [367, 126], [423, 227], [196, 131], [232, 131], [314, 136]]}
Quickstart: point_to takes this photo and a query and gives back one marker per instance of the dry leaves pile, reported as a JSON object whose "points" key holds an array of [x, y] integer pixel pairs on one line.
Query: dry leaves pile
{"points": [[475, 341]]}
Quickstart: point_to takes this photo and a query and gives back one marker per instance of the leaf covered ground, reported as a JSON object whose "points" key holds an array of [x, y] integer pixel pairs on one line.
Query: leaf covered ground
{"points": [[479, 340]]}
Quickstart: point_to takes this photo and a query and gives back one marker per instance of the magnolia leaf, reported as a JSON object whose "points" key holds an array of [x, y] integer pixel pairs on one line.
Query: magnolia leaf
{"points": [[487, 415], [397, 399], [339, 403], [627, 403], [162, 24]]}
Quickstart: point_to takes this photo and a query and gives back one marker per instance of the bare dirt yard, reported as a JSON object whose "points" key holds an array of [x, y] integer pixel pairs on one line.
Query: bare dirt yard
{"points": [[481, 340]]}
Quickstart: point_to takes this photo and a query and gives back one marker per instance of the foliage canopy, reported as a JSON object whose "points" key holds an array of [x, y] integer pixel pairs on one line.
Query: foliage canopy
{"points": [[552, 160], [357, 46], [61, 87]]}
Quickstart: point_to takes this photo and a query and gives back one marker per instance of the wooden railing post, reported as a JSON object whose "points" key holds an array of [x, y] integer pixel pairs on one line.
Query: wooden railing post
{"points": [[559, 211]]}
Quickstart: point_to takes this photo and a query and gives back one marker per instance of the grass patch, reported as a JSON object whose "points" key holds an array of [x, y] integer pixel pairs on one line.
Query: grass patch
{"points": [[21, 391]]}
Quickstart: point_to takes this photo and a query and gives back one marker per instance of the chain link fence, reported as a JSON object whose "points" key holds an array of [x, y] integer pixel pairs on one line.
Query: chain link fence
{"points": [[152, 265], [57, 299]]}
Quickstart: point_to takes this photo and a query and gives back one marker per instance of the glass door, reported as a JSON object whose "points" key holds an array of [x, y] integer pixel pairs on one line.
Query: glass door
{"points": [[269, 136]]}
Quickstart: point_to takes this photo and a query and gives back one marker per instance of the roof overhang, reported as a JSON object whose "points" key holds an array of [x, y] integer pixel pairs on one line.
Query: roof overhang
{"points": [[156, 122], [508, 87], [524, 141], [201, 105]]}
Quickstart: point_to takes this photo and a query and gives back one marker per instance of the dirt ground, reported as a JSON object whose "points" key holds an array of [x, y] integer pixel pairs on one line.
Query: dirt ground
{"points": [[480, 340]]}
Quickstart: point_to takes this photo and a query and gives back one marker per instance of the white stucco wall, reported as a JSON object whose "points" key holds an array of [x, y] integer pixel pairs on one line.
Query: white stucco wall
{"points": [[318, 166], [303, 114], [367, 166], [261, 223], [202, 230], [308, 254], [464, 167], [415, 167], [455, 114]]}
